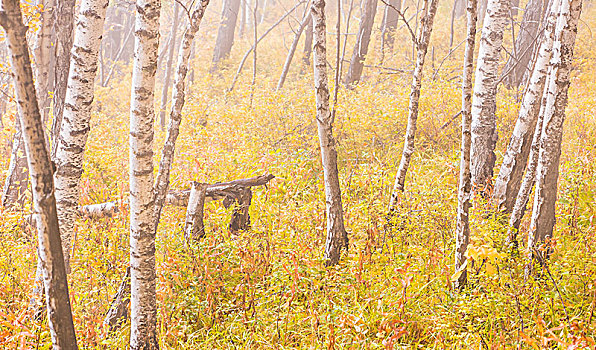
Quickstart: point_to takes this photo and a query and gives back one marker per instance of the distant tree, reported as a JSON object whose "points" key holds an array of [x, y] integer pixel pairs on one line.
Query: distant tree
{"points": [[389, 26], [422, 39], [70, 150], [306, 19], [484, 123], [337, 237], [518, 66], [44, 203], [462, 228], [225, 35], [508, 181], [169, 63], [307, 42], [547, 171], [143, 306], [362, 41]]}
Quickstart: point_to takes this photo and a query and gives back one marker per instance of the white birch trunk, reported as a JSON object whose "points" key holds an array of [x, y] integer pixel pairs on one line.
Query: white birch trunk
{"points": [[143, 305], [75, 127], [43, 44], [194, 228], [337, 237], [423, 38], [547, 171], [484, 124], [462, 228], [44, 202], [514, 162]]}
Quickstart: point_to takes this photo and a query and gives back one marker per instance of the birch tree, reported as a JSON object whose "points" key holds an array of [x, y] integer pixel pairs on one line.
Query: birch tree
{"points": [[337, 237], [462, 228], [423, 38], [510, 175], [547, 171], [484, 124], [143, 307], [225, 35], [168, 74], [44, 203], [43, 46], [362, 41], [77, 115], [390, 19], [16, 181]]}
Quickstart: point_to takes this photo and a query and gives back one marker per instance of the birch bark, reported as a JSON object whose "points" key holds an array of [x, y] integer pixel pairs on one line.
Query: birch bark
{"points": [[76, 116], [337, 237], [50, 250], [143, 306], [462, 233], [510, 175], [484, 124], [43, 44], [423, 38], [362, 41], [547, 171]]}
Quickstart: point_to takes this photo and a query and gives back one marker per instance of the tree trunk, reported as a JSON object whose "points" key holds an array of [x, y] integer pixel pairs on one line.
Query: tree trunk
{"points": [[16, 182], [305, 20], [459, 8], [510, 176], [194, 229], [44, 202], [462, 228], [225, 35], [63, 29], [43, 45], [75, 128], [143, 328], [168, 77], [362, 41], [429, 11], [162, 182], [517, 68], [547, 171], [308, 42], [484, 123], [337, 237], [390, 19]]}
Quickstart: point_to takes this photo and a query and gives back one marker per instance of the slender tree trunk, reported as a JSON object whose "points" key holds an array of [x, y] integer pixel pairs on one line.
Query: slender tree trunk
{"points": [[484, 123], [510, 176], [143, 306], [305, 20], [547, 171], [225, 35], [76, 116], [517, 68], [460, 8], [44, 202], [462, 228], [337, 237], [162, 182], [43, 45], [166, 84], [362, 41], [308, 42], [194, 228], [429, 11], [16, 182], [390, 19], [63, 29]]}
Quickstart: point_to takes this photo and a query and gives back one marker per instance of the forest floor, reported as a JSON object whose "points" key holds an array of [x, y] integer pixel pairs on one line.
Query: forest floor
{"points": [[267, 288]]}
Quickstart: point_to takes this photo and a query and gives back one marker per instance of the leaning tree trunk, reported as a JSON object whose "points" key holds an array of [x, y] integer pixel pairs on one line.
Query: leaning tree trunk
{"points": [[517, 67], [484, 122], [178, 98], [547, 172], [286, 68], [168, 77], [225, 35], [143, 307], [510, 176], [462, 228], [337, 237], [16, 182], [76, 116], [63, 29], [390, 19], [43, 45], [44, 202], [362, 41], [423, 38]]}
